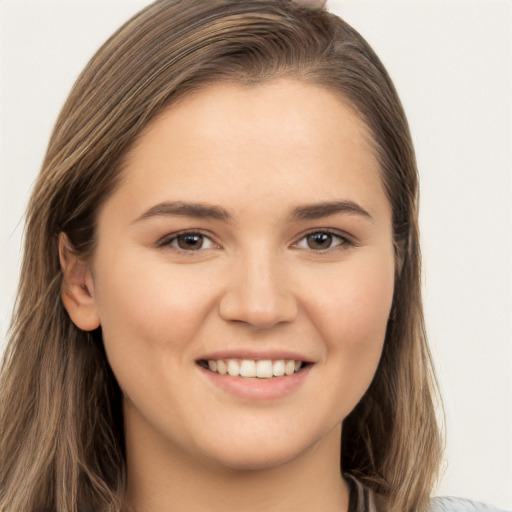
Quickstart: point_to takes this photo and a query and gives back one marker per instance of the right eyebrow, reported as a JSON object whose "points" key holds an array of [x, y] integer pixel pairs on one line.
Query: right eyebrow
{"points": [[182, 209], [325, 209]]}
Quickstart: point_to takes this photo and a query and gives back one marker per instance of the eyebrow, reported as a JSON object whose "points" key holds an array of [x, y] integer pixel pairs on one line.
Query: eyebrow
{"points": [[207, 211], [181, 209], [320, 210]]}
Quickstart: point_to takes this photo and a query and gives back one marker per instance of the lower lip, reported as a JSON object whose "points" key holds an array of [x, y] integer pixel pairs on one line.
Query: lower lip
{"points": [[257, 389]]}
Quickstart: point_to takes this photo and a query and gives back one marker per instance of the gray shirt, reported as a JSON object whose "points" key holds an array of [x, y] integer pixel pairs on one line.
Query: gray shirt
{"points": [[460, 505]]}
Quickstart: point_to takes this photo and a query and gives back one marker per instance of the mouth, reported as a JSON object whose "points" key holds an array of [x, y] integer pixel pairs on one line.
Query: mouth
{"points": [[254, 368]]}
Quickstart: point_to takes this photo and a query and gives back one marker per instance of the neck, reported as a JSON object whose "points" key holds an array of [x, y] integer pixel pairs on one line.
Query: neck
{"points": [[162, 478]]}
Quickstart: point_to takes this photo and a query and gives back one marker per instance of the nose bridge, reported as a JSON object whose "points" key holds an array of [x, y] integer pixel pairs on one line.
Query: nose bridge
{"points": [[258, 291]]}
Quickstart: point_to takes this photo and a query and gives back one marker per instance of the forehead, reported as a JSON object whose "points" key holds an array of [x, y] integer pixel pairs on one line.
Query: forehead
{"points": [[282, 135], [275, 106]]}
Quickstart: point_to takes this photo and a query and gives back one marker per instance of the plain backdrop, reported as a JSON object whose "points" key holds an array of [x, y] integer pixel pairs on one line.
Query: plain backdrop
{"points": [[451, 63]]}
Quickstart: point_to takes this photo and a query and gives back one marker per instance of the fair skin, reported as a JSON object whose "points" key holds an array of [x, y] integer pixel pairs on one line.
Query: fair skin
{"points": [[288, 257]]}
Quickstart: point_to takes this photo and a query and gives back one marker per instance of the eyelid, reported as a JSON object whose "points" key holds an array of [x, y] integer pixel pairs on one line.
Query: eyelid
{"points": [[347, 240], [166, 240]]}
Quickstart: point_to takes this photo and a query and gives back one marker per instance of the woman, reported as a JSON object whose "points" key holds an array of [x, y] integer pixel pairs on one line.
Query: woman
{"points": [[220, 304]]}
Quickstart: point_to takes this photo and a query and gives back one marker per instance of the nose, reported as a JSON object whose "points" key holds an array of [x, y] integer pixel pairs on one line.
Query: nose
{"points": [[258, 293]]}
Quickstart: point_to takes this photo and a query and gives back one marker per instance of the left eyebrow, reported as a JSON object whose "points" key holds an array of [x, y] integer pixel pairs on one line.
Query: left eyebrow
{"points": [[320, 210], [181, 209]]}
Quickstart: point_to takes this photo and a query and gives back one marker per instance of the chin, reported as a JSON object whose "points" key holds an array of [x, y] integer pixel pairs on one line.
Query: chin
{"points": [[254, 460], [262, 450]]}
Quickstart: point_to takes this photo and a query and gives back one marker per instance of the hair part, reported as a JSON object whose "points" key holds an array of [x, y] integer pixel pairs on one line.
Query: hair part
{"points": [[62, 435]]}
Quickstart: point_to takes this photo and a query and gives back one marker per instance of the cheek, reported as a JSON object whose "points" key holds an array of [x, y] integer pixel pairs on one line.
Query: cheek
{"points": [[148, 321], [353, 316], [150, 308], [350, 314]]}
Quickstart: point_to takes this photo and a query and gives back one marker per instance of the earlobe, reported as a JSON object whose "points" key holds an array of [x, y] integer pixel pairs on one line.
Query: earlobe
{"points": [[77, 291]]}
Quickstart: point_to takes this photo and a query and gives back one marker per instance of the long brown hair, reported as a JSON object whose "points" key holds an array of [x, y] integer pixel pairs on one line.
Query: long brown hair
{"points": [[61, 427]]}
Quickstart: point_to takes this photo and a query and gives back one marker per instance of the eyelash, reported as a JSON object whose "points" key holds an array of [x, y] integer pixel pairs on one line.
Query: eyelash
{"points": [[344, 241], [172, 239]]}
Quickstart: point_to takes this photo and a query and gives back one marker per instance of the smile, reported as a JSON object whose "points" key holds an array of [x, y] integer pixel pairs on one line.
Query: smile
{"points": [[251, 368]]}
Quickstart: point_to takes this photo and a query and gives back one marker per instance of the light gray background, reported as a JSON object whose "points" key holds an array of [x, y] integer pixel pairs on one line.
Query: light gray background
{"points": [[451, 63]]}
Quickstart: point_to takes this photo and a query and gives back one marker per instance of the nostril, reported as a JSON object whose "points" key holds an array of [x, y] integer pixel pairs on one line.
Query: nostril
{"points": [[258, 315]]}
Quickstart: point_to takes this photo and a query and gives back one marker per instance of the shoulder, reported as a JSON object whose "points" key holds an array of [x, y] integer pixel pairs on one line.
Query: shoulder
{"points": [[460, 505]]}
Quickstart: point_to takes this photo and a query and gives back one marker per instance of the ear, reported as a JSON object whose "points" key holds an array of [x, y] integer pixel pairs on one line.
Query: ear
{"points": [[77, 291]]}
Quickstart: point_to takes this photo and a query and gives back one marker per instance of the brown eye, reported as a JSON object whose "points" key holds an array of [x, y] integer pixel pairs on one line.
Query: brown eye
{"points": [[319, 241], [190, 241]]}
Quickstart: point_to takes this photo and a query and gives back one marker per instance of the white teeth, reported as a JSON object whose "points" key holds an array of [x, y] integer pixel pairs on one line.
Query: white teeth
{"points": [[249, 368], [221, 367], [233, 367], [278, 368], [289, 367], [264, 369]]}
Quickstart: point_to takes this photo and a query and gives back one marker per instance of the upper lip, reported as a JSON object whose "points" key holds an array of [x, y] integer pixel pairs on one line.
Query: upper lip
{"points": [[257, 355]]}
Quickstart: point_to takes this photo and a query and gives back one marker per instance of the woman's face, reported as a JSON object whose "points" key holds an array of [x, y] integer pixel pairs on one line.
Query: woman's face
{"points": [[251, 234]]}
